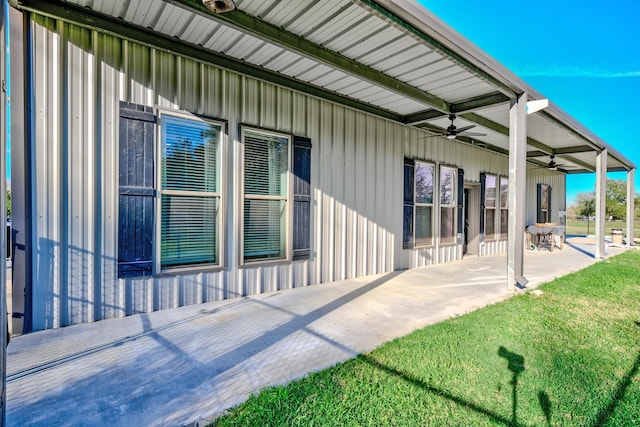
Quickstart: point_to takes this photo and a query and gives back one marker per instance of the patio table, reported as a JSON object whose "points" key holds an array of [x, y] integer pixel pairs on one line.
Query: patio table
{"points": [[544, 235]]}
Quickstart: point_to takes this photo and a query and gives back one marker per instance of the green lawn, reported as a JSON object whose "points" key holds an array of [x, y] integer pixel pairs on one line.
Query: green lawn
{"points": [[584, 227], [567, 357]]}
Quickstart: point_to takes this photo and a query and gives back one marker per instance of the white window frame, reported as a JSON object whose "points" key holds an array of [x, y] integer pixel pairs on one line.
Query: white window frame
{"points": [[416, 204], [495, 208], [288, 199], [504, 207], [544, 200], [453, 205], [221, 151]]}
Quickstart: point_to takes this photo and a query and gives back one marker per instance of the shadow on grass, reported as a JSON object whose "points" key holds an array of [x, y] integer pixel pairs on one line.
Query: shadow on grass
{"points": [[447, 395], [515, 363], [608, 411], [516, 366], [545, 404]]}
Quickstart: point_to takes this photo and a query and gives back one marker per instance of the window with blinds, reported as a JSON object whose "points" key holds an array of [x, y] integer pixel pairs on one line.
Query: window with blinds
{"points": [[504, 207], [490, 206], [266, 195], [424, 174], [448, 204], [189, 191]]}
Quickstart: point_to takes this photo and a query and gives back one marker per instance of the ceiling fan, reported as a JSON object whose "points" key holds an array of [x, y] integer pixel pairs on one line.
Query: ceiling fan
{"points": [[452, 131], [553, 166]]}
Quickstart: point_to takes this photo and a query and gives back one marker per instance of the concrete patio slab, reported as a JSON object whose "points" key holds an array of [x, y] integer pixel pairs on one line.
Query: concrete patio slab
{"points": [[187, 365]]}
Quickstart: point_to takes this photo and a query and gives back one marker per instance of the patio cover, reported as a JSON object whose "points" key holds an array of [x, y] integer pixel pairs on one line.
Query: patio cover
{"points": [[392, 58]]}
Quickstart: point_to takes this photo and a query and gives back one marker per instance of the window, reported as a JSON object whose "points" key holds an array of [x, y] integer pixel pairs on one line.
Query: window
{"points": [[420, 203], [266, 195], [448, 204], [490, 206], [189, 191], [544, 203], [170, 193], [494, 206], [504, 207], [424, 174]]}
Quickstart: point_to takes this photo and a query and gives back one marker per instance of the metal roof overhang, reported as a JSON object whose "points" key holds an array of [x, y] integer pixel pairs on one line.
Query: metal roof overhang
{"points": [[391, 58]]}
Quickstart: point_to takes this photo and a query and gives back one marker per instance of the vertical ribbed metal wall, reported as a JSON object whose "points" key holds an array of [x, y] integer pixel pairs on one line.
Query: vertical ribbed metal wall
{"points": [[357, 177]]}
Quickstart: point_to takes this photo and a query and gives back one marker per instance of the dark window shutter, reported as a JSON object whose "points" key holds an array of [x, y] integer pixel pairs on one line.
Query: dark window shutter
{"points": [[136, 194], [549, 203], [539, 204], [301, 198], [460, 200], [407, 217], [483, 190]]}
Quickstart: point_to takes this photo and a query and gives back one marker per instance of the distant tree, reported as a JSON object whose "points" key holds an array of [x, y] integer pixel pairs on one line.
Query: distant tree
{"points": [[616, 201], [8, 203], [616, 198], [586, 204]]}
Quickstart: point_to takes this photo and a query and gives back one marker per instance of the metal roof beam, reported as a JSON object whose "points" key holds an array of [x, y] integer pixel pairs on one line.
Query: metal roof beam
{"points": [[438, 132], [536, 153], [489, 124], [422, 116], [87, 18], [288, 40], [479, 102], [458, 107], [574, 149], [596, 147], [496, 127]]}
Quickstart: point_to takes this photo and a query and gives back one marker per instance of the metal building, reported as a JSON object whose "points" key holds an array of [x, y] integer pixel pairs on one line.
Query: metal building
{"points": [[165, 154]]}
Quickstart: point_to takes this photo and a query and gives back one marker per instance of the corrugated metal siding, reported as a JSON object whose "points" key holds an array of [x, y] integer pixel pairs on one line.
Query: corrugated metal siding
{"points": [[357, 177]]}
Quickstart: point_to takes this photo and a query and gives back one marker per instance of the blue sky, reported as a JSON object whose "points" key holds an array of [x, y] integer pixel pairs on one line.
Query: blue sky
{"points": [[584, 56]]}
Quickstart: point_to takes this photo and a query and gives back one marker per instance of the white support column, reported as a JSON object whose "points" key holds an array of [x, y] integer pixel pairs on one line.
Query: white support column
{"points": [[3, 219], [517, 190], [601, 196], [631, 207]]}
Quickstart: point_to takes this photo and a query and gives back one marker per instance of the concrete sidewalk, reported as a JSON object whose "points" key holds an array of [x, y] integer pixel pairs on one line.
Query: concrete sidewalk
{"points": [[180, 366]]}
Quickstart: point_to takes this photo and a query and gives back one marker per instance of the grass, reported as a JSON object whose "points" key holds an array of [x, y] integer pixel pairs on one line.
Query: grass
{"points": [[570, 356], [582, 227]]}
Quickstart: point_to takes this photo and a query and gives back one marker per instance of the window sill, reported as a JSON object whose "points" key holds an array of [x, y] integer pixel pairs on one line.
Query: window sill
{"points": [[266, 263], [190, 270], [417, 247]]}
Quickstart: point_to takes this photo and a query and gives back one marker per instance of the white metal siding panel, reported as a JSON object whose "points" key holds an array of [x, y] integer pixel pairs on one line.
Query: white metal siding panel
{"points": [[80, 171], [111, 291], [47, 159]]}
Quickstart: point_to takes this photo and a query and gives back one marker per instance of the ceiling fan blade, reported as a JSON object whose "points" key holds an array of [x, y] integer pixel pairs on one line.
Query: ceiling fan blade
{"points": [[432, 136], [472, 134], [462, 129]]}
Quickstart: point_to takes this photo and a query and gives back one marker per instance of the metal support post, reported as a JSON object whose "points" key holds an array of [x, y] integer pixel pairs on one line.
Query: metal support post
{"points": [[517, 190], [631, 207], [601, 197]]}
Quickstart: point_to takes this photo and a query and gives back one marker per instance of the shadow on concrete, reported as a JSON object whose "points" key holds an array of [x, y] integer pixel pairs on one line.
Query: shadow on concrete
{"points": [[581, 250], [105, 398]]}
